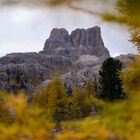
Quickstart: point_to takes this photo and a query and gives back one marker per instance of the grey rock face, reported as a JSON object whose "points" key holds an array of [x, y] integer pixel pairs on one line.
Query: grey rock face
{"points": [[79, 42], [89, 42], [35, 58], [78, 78], [86, 68], [26, 70], [21, 76], [57, 60], [60, 35]]}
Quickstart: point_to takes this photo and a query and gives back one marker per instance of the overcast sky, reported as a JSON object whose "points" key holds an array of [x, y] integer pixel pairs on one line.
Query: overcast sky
{"points": [[25, 28]]}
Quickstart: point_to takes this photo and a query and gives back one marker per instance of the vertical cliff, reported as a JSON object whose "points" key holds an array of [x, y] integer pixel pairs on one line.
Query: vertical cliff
{"points": [[79, 42]]}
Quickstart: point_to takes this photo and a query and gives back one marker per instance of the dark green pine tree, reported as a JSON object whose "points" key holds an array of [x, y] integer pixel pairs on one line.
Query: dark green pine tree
{"points": [[110, 84]]}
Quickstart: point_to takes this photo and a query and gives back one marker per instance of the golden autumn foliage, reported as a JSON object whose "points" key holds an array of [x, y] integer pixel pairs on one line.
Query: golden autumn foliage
{"points": [[59, 105], [54, 100], [57, 100], [119, 120], [21, 120], [90, 90], [131, 76]]}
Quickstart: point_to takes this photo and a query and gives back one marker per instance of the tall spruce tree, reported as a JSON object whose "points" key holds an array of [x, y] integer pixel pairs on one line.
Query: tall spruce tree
{"points": [[110, 84]]}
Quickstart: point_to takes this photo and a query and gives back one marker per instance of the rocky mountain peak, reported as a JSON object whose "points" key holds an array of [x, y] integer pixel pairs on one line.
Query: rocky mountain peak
{"points": [[60, 34], [86, 37], [79, 42]]}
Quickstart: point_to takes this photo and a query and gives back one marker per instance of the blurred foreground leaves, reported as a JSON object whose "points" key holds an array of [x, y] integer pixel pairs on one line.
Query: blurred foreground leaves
{"points": [[20, 121]]}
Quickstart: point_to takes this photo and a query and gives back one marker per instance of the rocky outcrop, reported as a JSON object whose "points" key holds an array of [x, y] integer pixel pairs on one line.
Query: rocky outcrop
{"points": [[89, 42], [79, 42], [78, 78], [22, 76], [19, 58], [126, 58]]}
